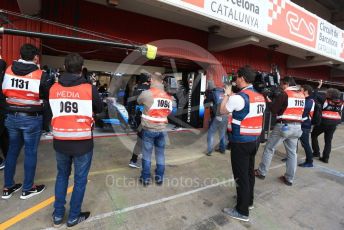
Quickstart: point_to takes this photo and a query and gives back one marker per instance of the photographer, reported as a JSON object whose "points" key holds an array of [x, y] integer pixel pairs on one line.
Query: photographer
{"points": [[247, 108], [289, 106], [306, 125], [24, 86], [143, 84], [157, 106], [73, 101], [332, 106], [218, 122]]}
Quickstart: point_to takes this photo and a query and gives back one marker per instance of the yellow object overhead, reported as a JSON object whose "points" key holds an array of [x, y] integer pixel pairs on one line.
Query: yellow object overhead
{"points": [[151, 52]]}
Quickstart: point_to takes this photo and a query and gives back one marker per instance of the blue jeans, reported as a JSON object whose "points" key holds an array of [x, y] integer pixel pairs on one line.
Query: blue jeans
{"points": [[289, 137], [22, 130], [306, 145], [221, 126], [149, 140], [82, 166]]}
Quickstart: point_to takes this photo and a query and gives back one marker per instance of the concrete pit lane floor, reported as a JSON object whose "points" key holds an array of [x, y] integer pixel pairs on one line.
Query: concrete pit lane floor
{"points": [[196, 188]]}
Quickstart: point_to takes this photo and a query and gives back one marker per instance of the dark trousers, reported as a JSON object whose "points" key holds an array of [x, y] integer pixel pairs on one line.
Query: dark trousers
{"points": [[306, 145], [138, 147], [328, 131], [4, 142], [242, 157]]}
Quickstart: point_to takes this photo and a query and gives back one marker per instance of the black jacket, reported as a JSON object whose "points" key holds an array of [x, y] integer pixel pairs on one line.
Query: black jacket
{"points": [[279, 103], [2, 97], [22, 69], [79, 147]]}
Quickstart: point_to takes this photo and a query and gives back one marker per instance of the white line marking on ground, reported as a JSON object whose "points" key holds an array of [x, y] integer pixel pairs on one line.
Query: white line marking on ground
{"points": [[162, 200], [339, 147], [329, 171]]}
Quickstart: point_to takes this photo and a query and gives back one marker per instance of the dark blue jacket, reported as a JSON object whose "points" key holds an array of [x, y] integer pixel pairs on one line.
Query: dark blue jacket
{"points": [[307, 124], [215, 97]]}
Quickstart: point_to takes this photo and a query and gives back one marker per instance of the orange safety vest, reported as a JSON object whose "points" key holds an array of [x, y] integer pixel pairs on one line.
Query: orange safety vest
{"points": [[72, 111], [252, 124], [22, 90], [328, 114], [161, 108], [296, 105]]}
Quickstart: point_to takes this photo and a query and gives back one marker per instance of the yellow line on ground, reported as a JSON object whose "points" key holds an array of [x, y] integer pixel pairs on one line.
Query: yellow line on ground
{"points": [[50, 200], [8, 223]]}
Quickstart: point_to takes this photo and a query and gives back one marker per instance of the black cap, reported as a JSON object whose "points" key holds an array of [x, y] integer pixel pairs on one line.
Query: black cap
{"points": [[247, 73], [144, 77]]}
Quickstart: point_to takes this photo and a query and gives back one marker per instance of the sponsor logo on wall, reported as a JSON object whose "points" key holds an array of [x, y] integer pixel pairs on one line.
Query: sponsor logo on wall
{"points": [[329, 39], [293, 23], [274, 18], [199, 3]]}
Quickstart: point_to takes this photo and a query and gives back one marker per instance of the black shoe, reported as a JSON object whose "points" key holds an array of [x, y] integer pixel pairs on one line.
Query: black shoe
{"points": [[8, 192], [285, 181], [316, 155], [325, 160], [145, 183], [82, 217], [57, 221], [258, 174], [2, 163], [306, 165], [220, 151], [35, 190]]}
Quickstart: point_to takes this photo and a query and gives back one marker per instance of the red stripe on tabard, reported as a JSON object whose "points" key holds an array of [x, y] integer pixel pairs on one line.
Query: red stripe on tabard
{"points": [[36, 75]]}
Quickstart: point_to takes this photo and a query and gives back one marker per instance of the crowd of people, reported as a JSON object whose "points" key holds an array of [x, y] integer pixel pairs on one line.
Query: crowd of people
{"points": [[27, 90], [300, 112]]}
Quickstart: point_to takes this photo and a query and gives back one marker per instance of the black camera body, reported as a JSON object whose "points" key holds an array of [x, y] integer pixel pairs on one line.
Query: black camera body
{"points": [[267, 84], [170, 84]]}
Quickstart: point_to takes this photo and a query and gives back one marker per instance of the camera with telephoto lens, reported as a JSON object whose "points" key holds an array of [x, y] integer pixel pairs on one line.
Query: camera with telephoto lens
{"points": [[267, 84]]}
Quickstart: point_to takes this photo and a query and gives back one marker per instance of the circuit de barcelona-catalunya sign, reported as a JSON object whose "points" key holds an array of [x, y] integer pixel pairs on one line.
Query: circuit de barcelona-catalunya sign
{"points": [[282, 20]]}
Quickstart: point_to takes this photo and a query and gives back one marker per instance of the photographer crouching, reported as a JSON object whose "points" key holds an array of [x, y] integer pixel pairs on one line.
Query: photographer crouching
{"points": [[289, 106]]}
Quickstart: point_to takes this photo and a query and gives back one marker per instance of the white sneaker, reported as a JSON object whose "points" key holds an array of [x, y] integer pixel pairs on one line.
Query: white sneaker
{"points": [[136, 164]]}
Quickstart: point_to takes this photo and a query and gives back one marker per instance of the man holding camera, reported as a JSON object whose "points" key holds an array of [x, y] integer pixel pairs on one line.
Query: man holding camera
{"points": [[247, 108], [289, 106], [218, 121], [157, 106]]}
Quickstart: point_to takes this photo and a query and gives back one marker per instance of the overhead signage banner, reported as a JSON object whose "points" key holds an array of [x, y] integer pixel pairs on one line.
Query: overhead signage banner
{"points": [[282, 20]]}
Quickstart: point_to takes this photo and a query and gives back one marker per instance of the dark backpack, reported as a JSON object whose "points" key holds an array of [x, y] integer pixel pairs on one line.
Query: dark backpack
{"points": [[316, 118]]}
